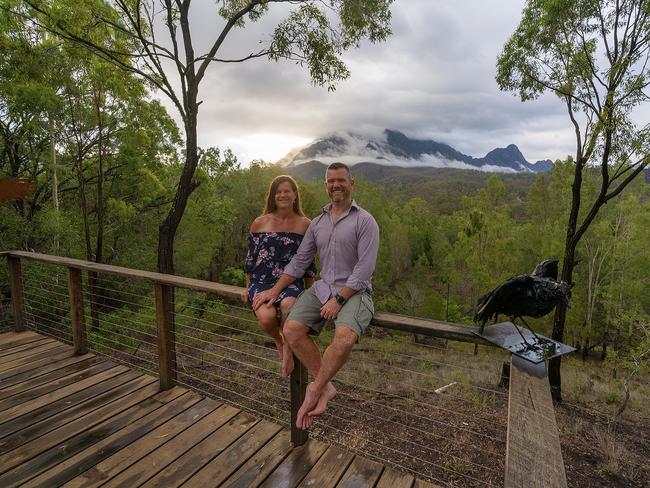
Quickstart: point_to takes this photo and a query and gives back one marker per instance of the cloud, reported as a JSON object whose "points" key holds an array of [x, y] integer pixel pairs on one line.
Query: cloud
{"points": [[433, 78]]}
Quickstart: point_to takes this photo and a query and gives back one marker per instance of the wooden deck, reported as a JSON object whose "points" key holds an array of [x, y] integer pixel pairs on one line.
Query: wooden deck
{"points": [[81, 420]]}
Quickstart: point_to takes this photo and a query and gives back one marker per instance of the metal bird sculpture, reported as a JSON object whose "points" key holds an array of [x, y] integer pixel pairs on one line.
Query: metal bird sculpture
{"points": [[533, 295]]}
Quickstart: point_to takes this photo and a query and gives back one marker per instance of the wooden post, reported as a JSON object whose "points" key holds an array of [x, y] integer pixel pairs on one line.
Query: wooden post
{"points": [[298, 388], [533, 451], [75, 291], [166, 339], [17, 293]]}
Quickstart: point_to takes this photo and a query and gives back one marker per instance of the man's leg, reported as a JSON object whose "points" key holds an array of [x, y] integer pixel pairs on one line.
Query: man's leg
{"points": [[296, 334], [321, 390]]}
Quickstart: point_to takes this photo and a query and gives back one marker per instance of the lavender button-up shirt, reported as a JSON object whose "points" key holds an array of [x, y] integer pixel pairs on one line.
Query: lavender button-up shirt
{"points": [[347, 251]]}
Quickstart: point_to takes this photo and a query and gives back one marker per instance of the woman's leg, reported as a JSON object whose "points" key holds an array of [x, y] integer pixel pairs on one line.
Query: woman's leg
{"points": [[287, 354], [268, 320]]}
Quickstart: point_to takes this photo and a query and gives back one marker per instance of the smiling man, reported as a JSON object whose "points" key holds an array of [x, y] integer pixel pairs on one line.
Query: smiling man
{"points": [[346, 238]]}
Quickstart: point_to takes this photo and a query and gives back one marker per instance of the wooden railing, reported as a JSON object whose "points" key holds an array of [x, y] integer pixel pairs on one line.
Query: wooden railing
{"points": [[533, 456]]}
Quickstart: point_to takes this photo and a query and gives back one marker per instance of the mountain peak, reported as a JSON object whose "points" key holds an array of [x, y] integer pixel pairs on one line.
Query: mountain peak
{"points": [[394, 148]]}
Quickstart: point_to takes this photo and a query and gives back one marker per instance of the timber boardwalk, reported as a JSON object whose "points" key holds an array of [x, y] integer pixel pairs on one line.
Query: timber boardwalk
{"points": [[83, 420]]}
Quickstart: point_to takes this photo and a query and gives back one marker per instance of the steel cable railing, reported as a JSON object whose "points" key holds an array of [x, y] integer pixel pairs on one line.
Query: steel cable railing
{"points": [[388, 397]]}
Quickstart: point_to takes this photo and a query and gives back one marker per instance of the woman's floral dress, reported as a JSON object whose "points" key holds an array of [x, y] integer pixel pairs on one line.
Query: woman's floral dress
{"points": [[268, 254]]}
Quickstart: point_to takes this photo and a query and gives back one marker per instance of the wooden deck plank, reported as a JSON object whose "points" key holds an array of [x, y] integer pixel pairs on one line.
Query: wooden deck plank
{"points": [[66, 409], [122, 459], [158, 459], [33, 394], [257, 468], [89, 451], [15, 465], [39, 459], [533, 452], [228, 461], [25, 345], [48, 398], [7, 361], [27, 361], [296, 465], [362, 472], [391, 478], [8, 338], [21, 381], [329, 469], [34, 367], [175, 473]]}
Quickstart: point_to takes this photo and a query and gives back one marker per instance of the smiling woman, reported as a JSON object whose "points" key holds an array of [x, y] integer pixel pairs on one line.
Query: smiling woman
{"points": [[274, 239]]}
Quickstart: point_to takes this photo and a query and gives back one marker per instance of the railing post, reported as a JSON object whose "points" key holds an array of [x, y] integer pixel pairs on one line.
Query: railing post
{"points": [[75, 292], [298, 388], [166, 339], [17, 293]]}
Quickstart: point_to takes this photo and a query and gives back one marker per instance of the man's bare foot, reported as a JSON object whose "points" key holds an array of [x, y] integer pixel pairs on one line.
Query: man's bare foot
{"points": [[315, 404], [326, 395], [308, 404], [287, 359]]}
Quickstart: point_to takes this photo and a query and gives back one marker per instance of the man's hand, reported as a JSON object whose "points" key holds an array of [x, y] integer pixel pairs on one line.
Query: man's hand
{"points": [[264, 296], [331, 309]]}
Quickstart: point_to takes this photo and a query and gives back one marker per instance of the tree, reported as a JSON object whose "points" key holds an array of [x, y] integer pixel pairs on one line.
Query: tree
{"points": [[170, 63], [594, 55]]}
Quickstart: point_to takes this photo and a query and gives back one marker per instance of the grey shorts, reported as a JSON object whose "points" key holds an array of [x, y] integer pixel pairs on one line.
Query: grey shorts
{"points": [[356, 314]]}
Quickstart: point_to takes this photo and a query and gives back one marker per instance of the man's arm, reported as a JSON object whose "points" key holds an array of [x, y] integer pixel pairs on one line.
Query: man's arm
{"points": [[367, 249]]}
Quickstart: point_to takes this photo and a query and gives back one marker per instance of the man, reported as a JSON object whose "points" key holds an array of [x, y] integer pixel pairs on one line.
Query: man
{"points": [[346, 238]]}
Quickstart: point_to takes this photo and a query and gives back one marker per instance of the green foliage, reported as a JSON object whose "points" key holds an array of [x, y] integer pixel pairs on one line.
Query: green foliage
{"points": [[309, 36], [233, 276]]}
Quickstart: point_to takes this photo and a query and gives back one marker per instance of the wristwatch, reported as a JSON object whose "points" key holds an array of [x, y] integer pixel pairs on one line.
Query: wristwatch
{"points": [[339, 299]]}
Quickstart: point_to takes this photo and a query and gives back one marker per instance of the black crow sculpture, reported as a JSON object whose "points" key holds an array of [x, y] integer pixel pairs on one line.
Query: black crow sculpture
{"points": [[533, 295]]}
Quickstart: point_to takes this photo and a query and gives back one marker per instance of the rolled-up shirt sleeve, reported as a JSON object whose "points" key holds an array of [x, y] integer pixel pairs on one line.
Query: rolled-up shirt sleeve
{"points": [[304, 257], [367, 249]]}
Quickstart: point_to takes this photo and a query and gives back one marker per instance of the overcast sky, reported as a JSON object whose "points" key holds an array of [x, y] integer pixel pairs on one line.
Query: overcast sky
{"points": [[433, 78]]}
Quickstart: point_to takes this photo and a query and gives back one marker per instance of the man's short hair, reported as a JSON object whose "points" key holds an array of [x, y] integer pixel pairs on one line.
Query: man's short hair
{"points": [[338, 165]]}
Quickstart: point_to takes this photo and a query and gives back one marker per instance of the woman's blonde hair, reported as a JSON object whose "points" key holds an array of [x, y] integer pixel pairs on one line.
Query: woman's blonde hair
{"points": [[270, 205]]}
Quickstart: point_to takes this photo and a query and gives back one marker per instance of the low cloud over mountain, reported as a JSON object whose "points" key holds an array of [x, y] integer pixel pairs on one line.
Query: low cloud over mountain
{"points": [[393, 148]]}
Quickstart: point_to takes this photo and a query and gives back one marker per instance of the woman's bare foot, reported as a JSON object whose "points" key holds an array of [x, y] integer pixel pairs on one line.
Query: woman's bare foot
{"points": [[286, 359], [279, 347]]}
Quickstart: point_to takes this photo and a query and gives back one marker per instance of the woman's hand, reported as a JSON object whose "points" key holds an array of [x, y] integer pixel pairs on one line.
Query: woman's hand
{"points": [[244, 296]]}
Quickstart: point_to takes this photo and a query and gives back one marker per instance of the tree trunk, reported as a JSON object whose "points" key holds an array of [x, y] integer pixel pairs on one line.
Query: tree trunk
{"points": [[559, 320], [186, 185]]}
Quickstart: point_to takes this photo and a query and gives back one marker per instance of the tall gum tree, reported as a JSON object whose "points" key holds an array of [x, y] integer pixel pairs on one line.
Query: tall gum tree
{"points": [[159, 45], [594, 55]]}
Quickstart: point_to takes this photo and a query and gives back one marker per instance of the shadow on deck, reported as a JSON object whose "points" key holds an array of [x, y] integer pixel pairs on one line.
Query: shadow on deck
{"points": [[81, 420]]}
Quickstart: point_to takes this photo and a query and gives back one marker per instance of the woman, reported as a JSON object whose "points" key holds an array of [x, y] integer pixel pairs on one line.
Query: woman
{"points": [[274, 239]]}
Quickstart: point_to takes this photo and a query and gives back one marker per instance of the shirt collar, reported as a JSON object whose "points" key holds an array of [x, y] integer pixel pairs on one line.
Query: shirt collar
{"points": [[328, 207]]}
